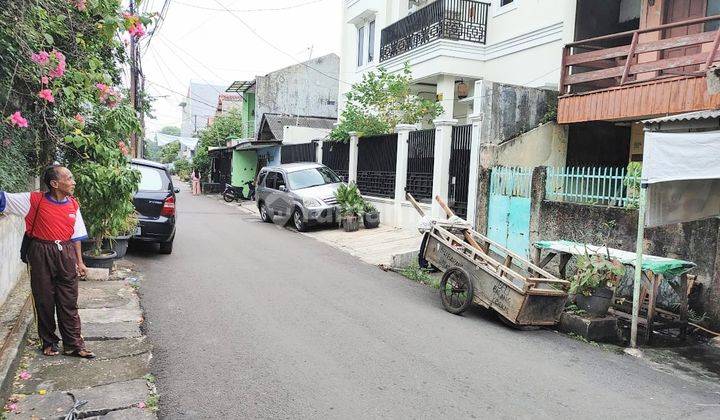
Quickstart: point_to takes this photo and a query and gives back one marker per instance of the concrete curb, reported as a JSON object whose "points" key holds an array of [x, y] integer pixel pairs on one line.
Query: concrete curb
{"points": [[11, 351]]}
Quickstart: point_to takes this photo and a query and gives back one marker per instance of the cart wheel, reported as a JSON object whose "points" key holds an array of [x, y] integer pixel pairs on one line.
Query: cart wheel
{"points": [[456, 290]]}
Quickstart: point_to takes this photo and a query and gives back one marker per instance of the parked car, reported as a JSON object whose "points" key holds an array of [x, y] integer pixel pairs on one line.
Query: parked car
{"points": [[155, 205], [303, 192]]}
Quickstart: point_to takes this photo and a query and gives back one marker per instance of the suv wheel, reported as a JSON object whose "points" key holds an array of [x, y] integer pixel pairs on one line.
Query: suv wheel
{"points": [[264, 214], [298, 221], [166, 247]]}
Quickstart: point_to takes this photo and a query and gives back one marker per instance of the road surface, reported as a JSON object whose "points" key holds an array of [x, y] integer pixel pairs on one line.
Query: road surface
{"points": [[250, 320]]}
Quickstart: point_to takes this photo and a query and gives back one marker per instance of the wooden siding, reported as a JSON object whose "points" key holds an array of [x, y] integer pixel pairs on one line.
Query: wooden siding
{"points": [[641, 100]]}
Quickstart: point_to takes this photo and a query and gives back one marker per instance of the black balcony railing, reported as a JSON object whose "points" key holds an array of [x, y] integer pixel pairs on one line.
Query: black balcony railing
{"points": [[460, 20]]}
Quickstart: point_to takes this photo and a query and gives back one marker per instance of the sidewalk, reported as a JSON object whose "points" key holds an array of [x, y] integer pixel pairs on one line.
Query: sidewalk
{"points": [[373, 246], [117, 384]]}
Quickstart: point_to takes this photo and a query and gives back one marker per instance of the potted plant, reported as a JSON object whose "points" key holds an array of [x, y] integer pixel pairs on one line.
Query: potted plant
{"points": [[371, 216], [119, 241], [352, 206], [594, 282]]}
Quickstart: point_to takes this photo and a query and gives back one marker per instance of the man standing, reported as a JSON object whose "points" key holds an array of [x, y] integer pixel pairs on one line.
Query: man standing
{"points": [[54, 223]]}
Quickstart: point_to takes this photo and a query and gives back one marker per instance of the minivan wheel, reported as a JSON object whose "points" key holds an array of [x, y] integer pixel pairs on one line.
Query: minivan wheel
{"points": [[166, 247], [264, 215], [300, 224]]}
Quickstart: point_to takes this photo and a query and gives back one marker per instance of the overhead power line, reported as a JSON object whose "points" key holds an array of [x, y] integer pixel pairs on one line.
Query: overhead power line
{"points": [[270, 9], [276, 48]]}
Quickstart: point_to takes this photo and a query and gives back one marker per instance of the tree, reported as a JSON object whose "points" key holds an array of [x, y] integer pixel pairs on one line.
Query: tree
{"points": [[380, 102], [171, 130], [224, 127], [169, 153]]}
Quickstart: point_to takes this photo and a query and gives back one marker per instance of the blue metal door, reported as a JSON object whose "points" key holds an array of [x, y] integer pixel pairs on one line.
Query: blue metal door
{"points": [[509, 208]]}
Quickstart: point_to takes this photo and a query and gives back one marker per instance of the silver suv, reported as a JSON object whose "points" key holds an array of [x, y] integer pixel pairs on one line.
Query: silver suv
{"points": [[304, 192]]}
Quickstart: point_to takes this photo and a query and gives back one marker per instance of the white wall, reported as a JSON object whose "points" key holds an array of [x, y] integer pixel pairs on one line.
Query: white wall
{"points": [[524, 44], [298, 135], [11, 233], [409, 217]]}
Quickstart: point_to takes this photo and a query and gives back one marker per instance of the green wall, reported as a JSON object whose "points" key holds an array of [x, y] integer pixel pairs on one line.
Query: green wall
{"points": [[248, 113], [244, 166]]}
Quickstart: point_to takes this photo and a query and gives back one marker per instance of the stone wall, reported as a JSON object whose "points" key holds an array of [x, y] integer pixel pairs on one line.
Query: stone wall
{"points": [[11, 233]]}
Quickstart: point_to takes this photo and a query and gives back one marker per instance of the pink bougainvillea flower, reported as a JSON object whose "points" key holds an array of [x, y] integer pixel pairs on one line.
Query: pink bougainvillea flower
{"points": [[127, 15], [137, 30], [42, 58], [79, 118], [59, 69], [44, 80], [17, 119], [141, 405], [81, 5], [25, 375], [12, 407], [47, 95]]}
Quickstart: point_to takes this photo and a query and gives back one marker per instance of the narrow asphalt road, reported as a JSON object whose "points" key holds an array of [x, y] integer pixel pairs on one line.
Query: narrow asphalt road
{"points": [[250, 320]]}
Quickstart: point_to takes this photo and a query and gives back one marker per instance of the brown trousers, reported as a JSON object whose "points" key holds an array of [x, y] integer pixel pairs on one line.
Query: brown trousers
{"points": [[54, 283]]}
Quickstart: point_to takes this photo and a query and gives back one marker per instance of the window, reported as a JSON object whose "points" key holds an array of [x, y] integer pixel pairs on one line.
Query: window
{"points": [[261, 178], [312, 178], [503, 6], [361, 41], [371, 41], [280, 181], [151, 179], [270, 180], [505, 2]]}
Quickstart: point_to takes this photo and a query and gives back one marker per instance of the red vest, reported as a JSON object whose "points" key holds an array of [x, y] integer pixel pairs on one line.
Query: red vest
{"points": [[55, 222]]}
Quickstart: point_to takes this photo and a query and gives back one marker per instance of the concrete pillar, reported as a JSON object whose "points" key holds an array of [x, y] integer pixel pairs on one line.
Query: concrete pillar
{"points": [[476, 121], [482, 203], [446, 95], [441, 170], [537, 196], [401, 164], [353, 164], [319, 151]]}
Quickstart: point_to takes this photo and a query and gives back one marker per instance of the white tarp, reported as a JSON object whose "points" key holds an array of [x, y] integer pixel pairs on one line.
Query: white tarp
{"points": [[189, 142], [682, 171]]}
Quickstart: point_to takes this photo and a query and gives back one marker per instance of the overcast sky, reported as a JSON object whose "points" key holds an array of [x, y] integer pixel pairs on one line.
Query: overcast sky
{"points": [[200, 41]]}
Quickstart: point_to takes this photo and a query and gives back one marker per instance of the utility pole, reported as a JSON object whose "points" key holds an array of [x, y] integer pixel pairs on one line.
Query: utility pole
{"points": [[134, 149]]}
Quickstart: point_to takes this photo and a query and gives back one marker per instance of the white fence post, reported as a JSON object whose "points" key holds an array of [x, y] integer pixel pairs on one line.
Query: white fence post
{"points": [[353, 154], [476, 120], [319, 151], [441, 169], [401, 164]]}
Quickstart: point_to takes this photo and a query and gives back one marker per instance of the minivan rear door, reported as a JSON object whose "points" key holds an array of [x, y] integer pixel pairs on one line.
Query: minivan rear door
{"points": [[154, 187]]}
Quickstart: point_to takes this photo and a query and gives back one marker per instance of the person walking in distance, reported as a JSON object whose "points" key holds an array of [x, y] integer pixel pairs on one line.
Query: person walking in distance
{"points": [[195, 182], [55, 225]]}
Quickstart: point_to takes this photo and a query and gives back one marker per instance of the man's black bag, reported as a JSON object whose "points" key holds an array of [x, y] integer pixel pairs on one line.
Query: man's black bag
{"points": [[27, 239]]}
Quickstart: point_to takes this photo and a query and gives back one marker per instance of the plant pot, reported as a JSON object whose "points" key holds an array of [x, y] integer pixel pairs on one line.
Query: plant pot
{"points": [[104, 260], [596, 304], [371, 220], [119, 244], [87, 244], [350, 223]]}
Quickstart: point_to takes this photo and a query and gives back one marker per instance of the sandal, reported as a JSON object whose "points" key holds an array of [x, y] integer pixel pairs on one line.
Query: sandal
{"points": [[51, 350], [84, 353]]}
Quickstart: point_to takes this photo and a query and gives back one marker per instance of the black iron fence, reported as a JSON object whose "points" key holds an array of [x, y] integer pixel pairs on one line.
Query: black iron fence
{"points": [[460, 169], [377, 162], [421, 161], [293, 153], [336, 156], [462, 20]]}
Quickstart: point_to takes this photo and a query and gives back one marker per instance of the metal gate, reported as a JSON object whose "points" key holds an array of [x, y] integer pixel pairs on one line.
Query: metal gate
{"points": [[509, 208], [336, 156], [460, 169], [293, 153]]}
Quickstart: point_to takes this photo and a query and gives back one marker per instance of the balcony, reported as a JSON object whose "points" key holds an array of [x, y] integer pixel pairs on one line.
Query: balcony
{"points": [[646, 72], [460, 20]]}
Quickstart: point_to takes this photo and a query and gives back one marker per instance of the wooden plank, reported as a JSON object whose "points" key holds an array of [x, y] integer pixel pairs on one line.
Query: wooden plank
{"points": [[664, 64], [623, 51], [630, 56], [713, 50], [684, 292]]}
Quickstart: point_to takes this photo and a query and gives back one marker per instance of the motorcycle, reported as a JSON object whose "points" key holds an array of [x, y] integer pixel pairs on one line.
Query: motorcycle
{"points": [[232, 193]]}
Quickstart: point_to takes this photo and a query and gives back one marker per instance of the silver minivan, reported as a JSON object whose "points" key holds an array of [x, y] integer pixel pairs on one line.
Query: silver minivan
{"points": [[303, 192]]}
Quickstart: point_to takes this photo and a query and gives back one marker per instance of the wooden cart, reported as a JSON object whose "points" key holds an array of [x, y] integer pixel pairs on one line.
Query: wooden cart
{"points": [[478, 270]]}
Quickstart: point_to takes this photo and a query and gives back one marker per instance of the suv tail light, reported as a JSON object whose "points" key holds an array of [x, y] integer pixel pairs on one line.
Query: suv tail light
{"points": [[168, 208]]}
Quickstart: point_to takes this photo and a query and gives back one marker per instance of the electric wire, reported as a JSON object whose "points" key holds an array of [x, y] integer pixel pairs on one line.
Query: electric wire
{"points": [[270, 9]]}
